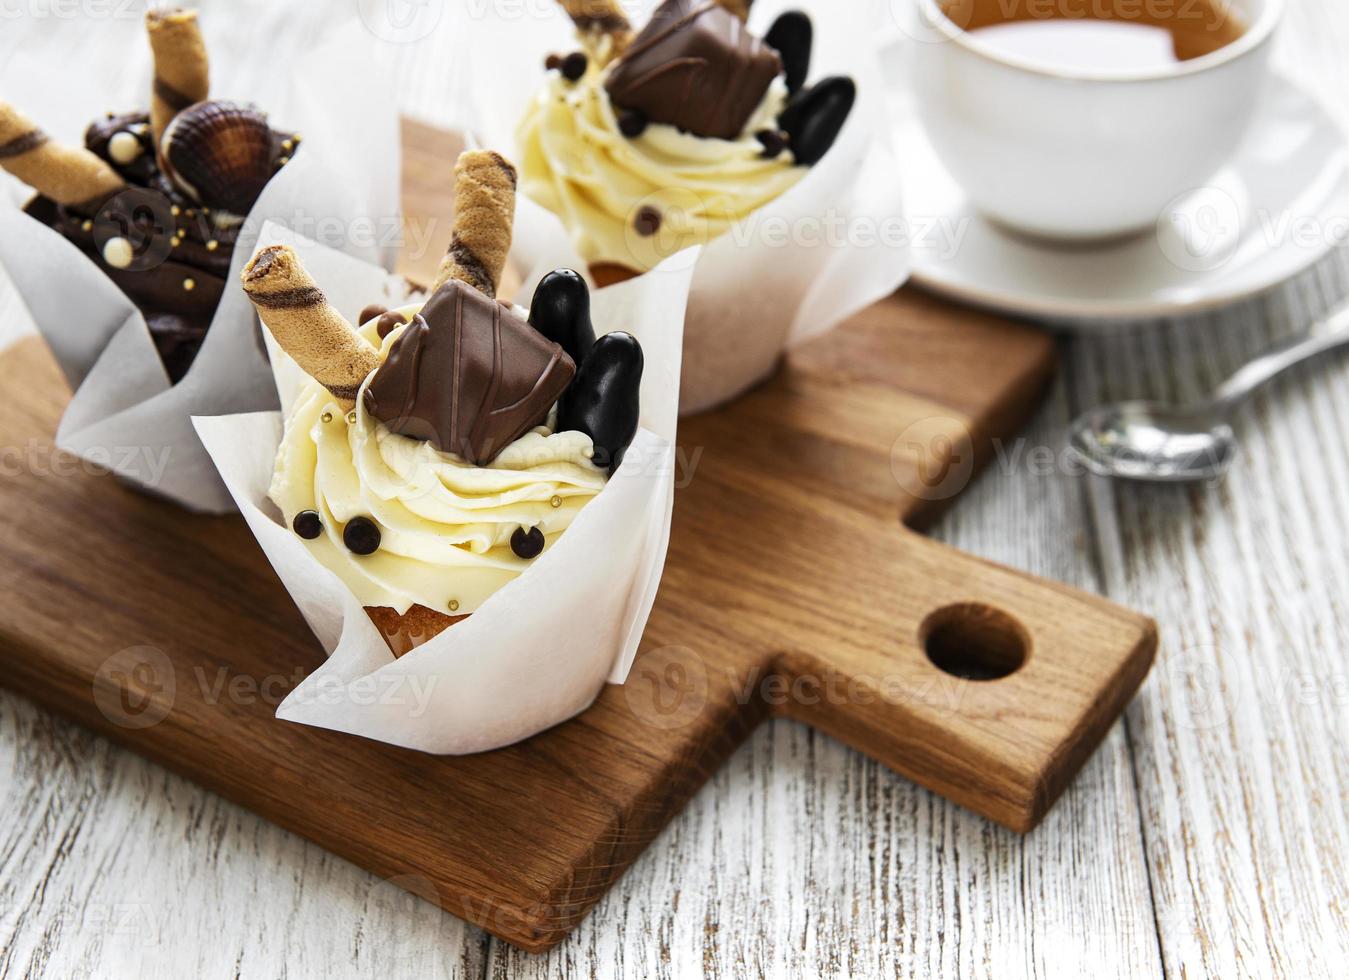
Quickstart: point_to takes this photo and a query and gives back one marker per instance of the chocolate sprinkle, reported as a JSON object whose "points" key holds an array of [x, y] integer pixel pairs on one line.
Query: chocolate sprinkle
{"points": [[647, 221], [370, 312], [574, 66], [527, 544], [361, 536], [389, 322], [308, 524], [632, 123]]}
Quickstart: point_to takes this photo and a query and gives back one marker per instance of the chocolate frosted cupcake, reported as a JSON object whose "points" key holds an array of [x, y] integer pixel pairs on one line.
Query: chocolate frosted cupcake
{"points": [[646, 143], [441, 448], [157, 198]]}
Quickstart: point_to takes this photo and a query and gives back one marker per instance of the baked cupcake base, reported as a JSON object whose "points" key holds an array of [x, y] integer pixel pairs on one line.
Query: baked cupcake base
{"points": [[404, 633]]}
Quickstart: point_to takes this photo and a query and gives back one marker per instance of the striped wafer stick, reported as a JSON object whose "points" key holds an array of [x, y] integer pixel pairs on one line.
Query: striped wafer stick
{"points": [[182, 70], [306, 325], [600, 17], [484, 201], [69, 175]]}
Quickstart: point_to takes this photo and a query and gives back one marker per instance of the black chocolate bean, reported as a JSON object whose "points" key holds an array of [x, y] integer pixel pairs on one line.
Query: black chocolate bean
{"points": [[792, 37], [527, 544], [814, 118], [388, 322], [773, 143], [561, 312], [361, 536], [632, 123], [308, 524], [603, 400], [574, 66]]}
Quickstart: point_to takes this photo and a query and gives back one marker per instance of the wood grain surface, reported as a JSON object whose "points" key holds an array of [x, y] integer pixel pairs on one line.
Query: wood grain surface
{"points": [[1204, 839]]}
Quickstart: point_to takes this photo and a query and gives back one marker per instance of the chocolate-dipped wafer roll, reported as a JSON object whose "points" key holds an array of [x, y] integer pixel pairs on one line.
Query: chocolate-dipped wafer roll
{"points": [[69, 175], [600, 17], [182, 70], [484, 215], [306, 325]]}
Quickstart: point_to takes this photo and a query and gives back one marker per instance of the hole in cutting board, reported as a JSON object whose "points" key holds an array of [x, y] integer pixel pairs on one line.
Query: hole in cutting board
{"points": [[975, 642]]}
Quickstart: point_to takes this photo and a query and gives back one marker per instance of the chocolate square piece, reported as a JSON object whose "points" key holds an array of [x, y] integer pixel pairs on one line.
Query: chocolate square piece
{"points": [[468, 376], [697, 67]]}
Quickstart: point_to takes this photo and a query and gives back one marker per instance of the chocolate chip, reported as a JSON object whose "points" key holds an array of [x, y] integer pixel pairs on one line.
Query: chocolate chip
{"points": [[308, 524], [773, 142], [647, 221], [574, 66], [388, 321], [370, 312], [632, 123], [361, 536], [553, 62], [527, 544]]}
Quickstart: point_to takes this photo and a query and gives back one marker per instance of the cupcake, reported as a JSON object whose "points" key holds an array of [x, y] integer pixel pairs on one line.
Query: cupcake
{"points": [[647, 142], [440, 449], [156, 199]]}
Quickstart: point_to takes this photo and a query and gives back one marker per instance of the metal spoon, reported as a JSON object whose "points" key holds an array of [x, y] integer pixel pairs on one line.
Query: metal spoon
{"points": [[1142, 440]]}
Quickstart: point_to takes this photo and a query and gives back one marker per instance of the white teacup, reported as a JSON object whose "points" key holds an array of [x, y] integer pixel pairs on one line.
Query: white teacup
{"points": [[1084, 154]]}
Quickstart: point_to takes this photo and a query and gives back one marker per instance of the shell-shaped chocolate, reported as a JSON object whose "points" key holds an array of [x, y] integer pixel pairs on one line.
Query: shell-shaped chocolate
{"points": [[220, 154]]}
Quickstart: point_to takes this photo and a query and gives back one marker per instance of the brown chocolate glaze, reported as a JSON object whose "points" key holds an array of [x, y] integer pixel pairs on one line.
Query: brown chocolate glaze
{"points": [[696, 67], [182, 250], [468, 376]]}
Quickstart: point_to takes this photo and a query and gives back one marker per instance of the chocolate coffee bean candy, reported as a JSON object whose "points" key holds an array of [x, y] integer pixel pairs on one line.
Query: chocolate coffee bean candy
{"points": [[527, 544], [603, 401], [814, 118], [561, 312], [308, 524], [792, 37], [361, 536]]}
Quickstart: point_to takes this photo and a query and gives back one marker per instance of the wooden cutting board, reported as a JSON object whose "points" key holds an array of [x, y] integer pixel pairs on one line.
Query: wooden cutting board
{"points": [[793, 589]]}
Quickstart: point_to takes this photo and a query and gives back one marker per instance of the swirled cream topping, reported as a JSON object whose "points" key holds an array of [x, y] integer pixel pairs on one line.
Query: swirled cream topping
{"points": [[445, 524], [635, 202]]}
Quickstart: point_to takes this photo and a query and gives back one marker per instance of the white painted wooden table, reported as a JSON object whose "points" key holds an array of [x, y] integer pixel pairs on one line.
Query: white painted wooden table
{"points": [[1207, 837]]}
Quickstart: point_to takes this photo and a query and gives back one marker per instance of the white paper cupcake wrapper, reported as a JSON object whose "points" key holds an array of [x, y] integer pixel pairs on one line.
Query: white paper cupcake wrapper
{"points": [[125, 415], [539, 651], [833, 245]]}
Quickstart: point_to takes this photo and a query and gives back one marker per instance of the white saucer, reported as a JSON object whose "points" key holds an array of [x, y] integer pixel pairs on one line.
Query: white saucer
{"points": [[1279, 206]]}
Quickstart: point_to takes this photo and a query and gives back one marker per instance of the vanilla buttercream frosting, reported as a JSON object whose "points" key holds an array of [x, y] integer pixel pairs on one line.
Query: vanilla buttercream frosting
{"points": [[445, 524], [634, 202]]}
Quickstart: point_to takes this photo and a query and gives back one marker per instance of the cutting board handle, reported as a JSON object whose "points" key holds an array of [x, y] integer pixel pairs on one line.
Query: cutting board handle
{"points": [[993, 696]]}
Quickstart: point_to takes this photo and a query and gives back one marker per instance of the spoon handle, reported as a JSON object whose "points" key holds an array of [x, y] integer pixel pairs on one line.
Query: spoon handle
{"points": [[1325, 335]]}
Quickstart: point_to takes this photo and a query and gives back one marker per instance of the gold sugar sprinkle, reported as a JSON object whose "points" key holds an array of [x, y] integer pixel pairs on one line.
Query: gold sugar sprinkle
{"points": [[189, 284], [327, 416], [351, 418], [88, 226], [454, 605], [283, 161], [175, 210], [556, 501], [287, 144], [212, 245], [175, 241]]}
